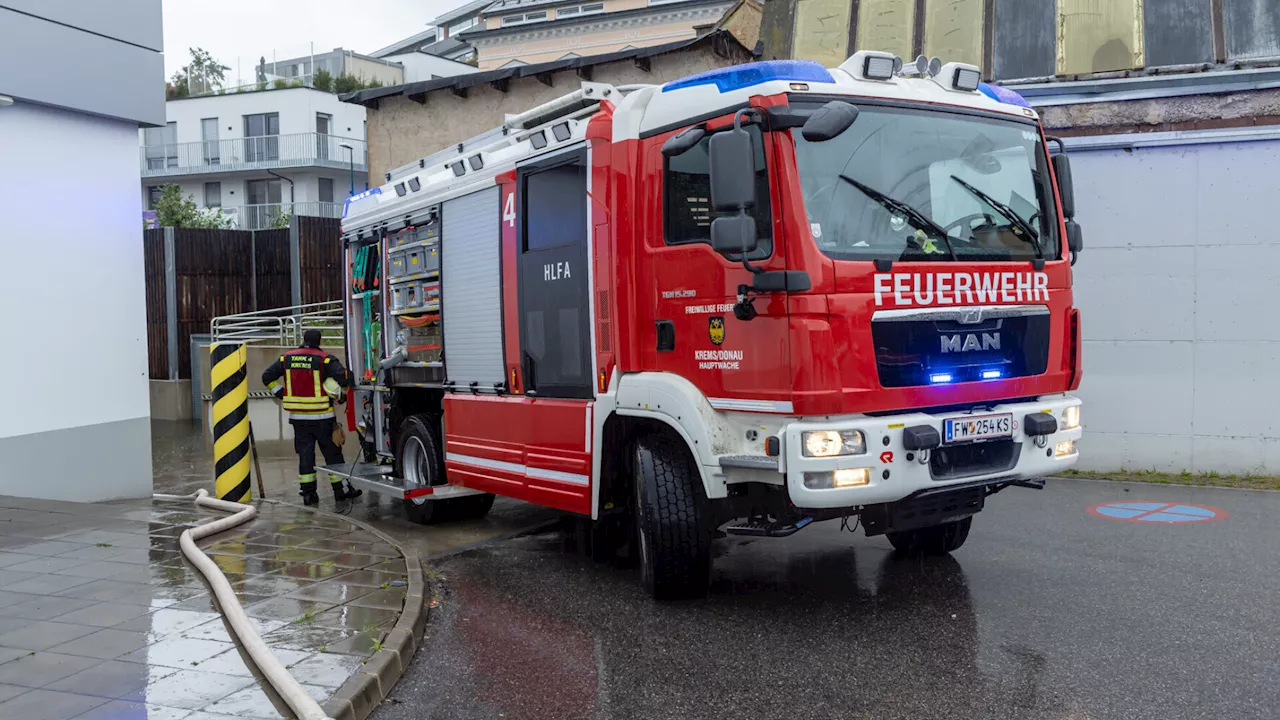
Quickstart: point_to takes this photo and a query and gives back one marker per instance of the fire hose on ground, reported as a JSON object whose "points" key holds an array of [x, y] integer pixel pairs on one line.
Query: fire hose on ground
{"points": [[302, 704]]}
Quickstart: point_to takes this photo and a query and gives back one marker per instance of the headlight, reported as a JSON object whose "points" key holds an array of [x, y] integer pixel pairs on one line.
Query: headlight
{"points": [[1071, 418], [829, 443]]}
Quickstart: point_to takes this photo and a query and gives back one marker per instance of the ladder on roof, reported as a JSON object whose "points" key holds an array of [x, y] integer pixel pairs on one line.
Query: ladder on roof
{"points": [[516, 127]]}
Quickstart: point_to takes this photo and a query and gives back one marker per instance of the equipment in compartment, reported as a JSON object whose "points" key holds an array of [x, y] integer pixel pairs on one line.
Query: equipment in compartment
{"points": [[422, 337], [365, 269]]}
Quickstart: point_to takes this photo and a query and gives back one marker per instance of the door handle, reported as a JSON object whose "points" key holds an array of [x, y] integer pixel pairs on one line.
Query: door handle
{"points": [[530, 376]]}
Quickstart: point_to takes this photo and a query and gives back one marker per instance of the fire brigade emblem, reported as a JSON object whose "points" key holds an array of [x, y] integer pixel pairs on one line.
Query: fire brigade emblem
{"points": [[715, 329]]}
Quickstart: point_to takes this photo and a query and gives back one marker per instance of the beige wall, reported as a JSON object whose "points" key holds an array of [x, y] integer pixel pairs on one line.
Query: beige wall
{"points": [[401, 131], [495, 20], [368, 69]]}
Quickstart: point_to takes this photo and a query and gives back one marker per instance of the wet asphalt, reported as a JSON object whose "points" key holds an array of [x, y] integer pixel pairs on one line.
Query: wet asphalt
{"points": [[1047, 612]]}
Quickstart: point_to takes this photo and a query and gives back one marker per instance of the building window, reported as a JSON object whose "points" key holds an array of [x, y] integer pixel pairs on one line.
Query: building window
{"points": [[260, 137], [213, 194], [525, 18], [326, 190], [686, 197], [162, 146], [459, 26], [576, 10], [153, 195]]}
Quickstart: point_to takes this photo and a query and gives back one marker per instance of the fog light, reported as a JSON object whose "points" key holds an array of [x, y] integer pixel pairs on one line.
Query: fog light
{"points": [[852, 478], [1066, 448], [1071, 418], [839, 479]]}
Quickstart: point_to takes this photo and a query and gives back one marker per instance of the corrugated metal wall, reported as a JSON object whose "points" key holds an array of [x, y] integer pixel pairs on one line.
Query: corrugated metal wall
{"points": [[1015, 39]]}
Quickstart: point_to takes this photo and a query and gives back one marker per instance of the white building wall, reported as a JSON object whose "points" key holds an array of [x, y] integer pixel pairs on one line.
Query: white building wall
{"points": [[1178, 288], [77, 419], [297, 108], [419, 66]]}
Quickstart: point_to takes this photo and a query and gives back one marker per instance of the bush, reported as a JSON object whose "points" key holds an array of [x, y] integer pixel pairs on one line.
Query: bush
{"points": [[345, 83], [281, 83], [262, 85], [322, 80], [173, 210], [374, 83]]}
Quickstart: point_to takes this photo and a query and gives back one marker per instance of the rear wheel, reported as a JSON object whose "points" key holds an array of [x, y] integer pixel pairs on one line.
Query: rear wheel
{"points": [[420, 462], [673, 520], [936, 540]]}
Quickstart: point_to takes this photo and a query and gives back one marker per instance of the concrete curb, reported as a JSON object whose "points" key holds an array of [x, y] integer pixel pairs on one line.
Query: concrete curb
{"points": [[370, 685]]}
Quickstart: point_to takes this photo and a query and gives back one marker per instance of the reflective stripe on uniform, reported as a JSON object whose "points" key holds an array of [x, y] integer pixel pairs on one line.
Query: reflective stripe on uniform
{"points": [[307, 479]]}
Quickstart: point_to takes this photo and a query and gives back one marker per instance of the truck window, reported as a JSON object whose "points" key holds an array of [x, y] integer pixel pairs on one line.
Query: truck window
{"points": [[686, 198]]}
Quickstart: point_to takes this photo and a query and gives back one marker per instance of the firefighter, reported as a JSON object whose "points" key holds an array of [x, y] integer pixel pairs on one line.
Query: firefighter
{"points": [[307, 381]]}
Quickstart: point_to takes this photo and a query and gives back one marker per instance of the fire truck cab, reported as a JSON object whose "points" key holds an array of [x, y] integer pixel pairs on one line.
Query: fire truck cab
{"points": [[737, 303]]}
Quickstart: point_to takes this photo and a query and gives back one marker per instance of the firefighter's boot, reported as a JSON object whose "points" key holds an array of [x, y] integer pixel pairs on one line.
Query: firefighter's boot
{"points": [[342, 490], [310, 497]]}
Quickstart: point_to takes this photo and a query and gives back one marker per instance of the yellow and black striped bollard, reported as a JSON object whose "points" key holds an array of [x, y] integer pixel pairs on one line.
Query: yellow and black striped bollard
{"points": [[230, 422]]}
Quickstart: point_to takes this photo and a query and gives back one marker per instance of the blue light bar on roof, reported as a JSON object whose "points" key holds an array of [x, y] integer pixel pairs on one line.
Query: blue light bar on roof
{"points": [[744, 76], [1003, 94], [354, 198]]}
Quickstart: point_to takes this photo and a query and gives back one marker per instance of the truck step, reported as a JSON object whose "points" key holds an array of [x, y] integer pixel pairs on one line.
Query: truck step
{"points": [[379, 479], [750, 462], [761, 527]]}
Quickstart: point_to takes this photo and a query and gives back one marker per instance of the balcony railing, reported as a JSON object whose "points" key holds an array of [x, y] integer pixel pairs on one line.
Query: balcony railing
{"points": [[261, 217], [267, 152]]}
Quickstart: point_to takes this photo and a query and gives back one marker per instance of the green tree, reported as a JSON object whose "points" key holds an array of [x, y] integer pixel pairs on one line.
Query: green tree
{"points": [[373, 83], [176, 87], [280, 220], [173, 210], [322, 80], [203, 74]]}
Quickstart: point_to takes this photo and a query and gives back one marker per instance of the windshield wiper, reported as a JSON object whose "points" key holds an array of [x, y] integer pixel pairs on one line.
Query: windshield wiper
{"points": [[914, 216], [1033, 237]]}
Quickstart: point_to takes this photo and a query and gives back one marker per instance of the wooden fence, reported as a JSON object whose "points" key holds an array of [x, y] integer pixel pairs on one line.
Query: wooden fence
{"points": [[194, 276]]}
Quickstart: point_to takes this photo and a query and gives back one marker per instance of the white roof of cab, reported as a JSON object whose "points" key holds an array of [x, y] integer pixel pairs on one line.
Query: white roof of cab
{"points": [[668, 107]]}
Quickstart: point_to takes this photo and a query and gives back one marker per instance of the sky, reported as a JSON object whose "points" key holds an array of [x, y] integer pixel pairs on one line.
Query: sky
{"points": [[239, 32]]}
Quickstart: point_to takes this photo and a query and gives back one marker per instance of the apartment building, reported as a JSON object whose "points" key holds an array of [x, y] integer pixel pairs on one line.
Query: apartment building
{"points": [[258, 155], [337, 61], [525, 32]]}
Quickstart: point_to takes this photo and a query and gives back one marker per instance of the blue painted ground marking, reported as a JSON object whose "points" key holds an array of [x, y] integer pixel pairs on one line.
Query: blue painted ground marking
{"points": [[1157, 512]]}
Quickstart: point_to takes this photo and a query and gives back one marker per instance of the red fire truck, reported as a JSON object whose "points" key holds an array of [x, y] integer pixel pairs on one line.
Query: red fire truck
{"points": [[736, 303]]}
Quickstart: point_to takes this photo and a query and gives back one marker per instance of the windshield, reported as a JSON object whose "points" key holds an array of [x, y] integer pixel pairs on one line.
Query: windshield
{"points": [[904, 184]]}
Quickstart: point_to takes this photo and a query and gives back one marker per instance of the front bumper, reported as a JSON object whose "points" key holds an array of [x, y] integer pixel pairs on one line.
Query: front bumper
{"points": [[894, 477]]}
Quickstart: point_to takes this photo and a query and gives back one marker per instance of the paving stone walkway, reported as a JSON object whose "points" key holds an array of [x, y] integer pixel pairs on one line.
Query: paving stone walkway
{"points": [[101, 618]]}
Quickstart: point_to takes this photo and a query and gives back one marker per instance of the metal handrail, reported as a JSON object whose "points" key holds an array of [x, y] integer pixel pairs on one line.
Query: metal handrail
{"points": [[281, 326], [262, 152]]}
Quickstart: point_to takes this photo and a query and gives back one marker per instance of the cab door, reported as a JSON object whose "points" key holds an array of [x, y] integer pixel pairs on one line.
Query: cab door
{"points": [[738, 363]]}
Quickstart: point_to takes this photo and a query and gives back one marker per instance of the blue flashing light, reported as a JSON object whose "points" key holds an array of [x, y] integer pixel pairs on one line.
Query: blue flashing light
{"points": [[1004, 95], [355, 198], [940, 378], [744, 76], [991, 374]]}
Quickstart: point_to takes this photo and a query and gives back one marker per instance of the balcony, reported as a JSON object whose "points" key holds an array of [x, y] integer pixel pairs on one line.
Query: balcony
{"points": [[268, 152], [262, 217]]}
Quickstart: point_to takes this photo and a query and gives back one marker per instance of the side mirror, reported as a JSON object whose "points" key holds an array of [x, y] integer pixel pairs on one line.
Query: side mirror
{"points": [[1062, 168], [1075, 239], [829, 121], [734, 234], [681, 142], [733, 170]]}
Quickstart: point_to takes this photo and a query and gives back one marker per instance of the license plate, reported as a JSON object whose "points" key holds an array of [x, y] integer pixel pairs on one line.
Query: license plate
{"points": [[978, 427]]}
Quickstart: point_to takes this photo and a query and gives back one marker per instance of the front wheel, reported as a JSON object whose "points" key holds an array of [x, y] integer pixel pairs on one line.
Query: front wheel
{"points": [[936, 540], [673, 520]]}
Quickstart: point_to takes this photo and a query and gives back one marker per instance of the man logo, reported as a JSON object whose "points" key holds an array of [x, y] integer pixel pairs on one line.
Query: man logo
{"points": [[715, 329], [970, 342]]}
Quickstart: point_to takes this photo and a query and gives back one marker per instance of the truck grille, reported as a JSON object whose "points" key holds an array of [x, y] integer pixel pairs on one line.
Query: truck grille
{"points": [[960, 345], [979, 458]]}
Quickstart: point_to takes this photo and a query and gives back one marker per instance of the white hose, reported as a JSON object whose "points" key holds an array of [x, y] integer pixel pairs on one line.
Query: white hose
{"points": [[298, 700]]}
